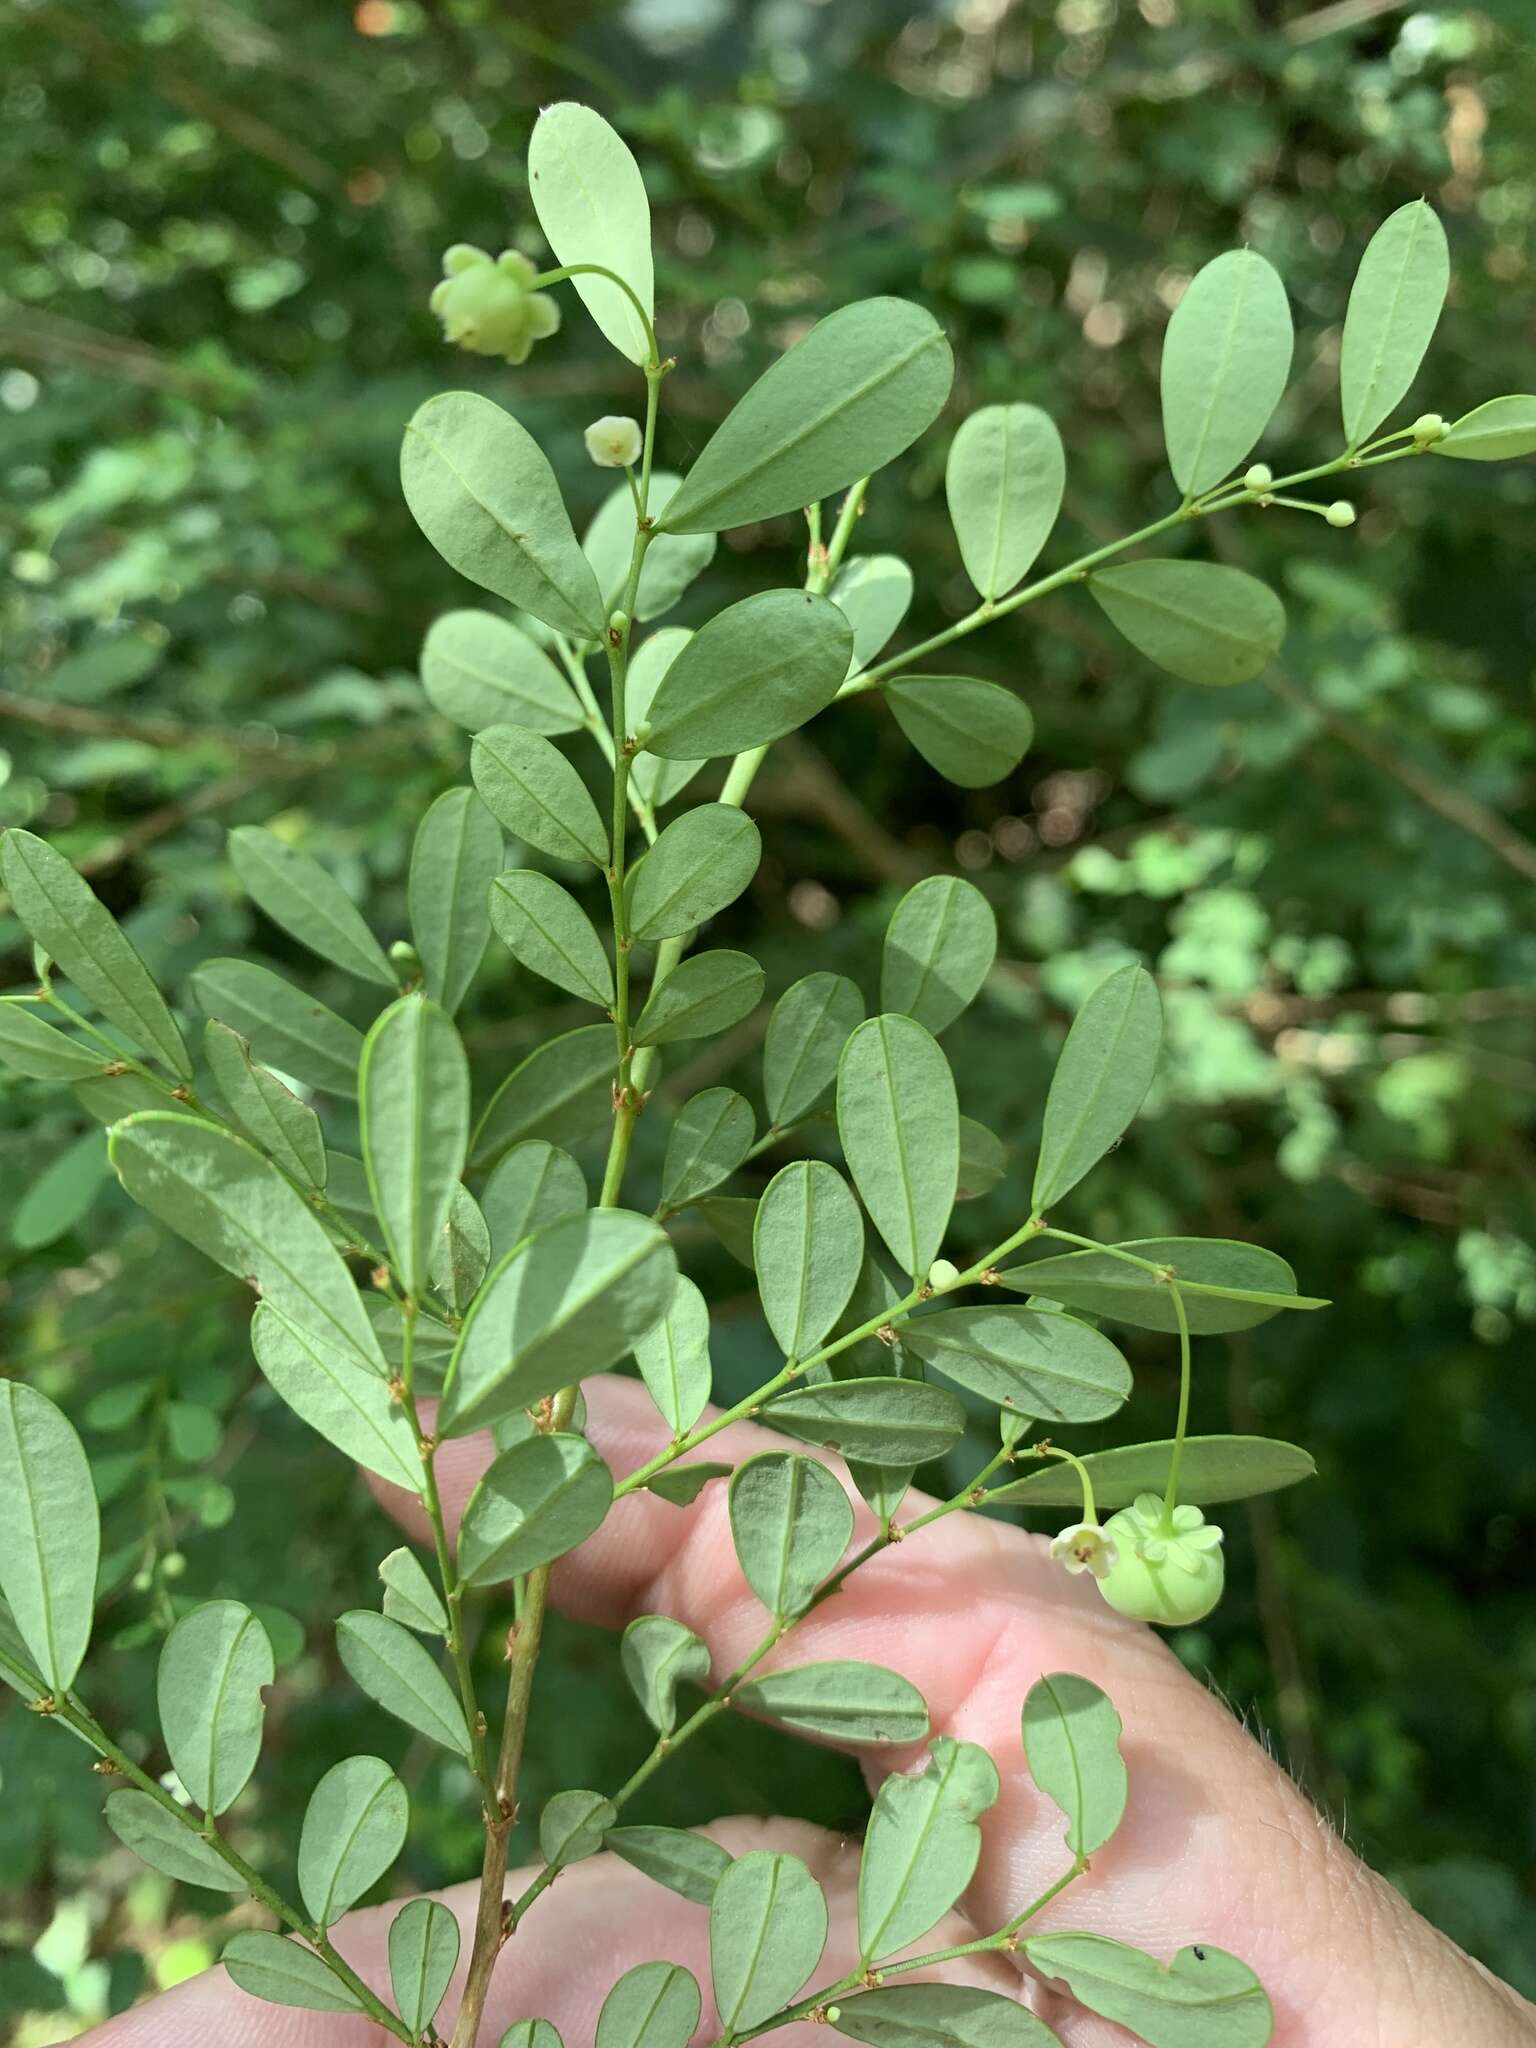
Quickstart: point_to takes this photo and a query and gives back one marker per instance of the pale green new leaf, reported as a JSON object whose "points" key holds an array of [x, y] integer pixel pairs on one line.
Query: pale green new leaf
{"points": [[1032, 1360], [1492, 432], [1101, 1080], [456, 852], [423, 1952], [1204, 1998], [590, 198], [1225, 1284], [899, 1123], [354, 1828], [533, 1184], [809, 1027], [62, 913], [706, 993], [287, 1130], [534, 1503], [756, 671], [221, 1195], [410, 1596], [791, 1523], [700, 863], [546, 930], [658, 1653], [672, 561], [482, 491], [1394, 307], [1213, 1469], [921, 1846], [939, 948], [674, 1359], [561, 1093], [572, 1826], [1004, 479], [862, 1704], [654, 2005], [874, 594], [208, 1689], [708, 1139], [284, 1027], [346, 1401], [171, 1846], [570, 1300], [387, 1663], [973, 733], [535, 792], [877, 1421], [1201, 621], [304, 901], [767, 1929], [807, 1248], [480, 670], [690, 1865], [284, 1972], [940, 2016], [31, 1047], [61, 1195], [1226, 358], [50, 1532], [843, 402], [1072, 1740]]}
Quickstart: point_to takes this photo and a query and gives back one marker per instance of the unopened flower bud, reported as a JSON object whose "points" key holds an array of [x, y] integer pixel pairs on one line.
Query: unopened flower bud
{"points": [[405, 956], [1259, 477], [614, 441], [942, 1274], [488, 306], [1340, 513], [1429, 426], [173, 1565]]}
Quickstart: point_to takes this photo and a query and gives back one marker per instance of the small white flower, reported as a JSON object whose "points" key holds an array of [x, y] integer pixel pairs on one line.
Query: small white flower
{"points": [[1084, 1547], [614, 442]]}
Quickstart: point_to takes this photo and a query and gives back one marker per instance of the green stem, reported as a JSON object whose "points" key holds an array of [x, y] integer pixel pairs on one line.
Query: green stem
{"points": [[1171, 1495], [1075, 572], [72, 1715], [1090, 1510], [891, 1316], [546, 278]]}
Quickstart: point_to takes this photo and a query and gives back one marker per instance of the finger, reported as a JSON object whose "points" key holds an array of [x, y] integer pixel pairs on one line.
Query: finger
{"points": [[1217, 1844], [609, 1918]]}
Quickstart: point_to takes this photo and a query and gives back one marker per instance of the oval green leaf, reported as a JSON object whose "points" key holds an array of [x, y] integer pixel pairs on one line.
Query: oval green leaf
{"points": [[1204, 1998], [700, 863], [414, 1100], [50, 1532], [1004, 479], [347, 1402], [874, 594], [709, 1138], [215, 1662], [456, 852], [688, 1864], [530, 786], [168, 1844], [1394, 307], [534, 1184], [899, 1123], [534, 1503], [847, 1702], [1031, 1360], [674, 1359], [546, 930], [940, 2016], [1201, 621], [480, 670], [31, 1047], [286, 1028], [1072, 1741], [284, 1972], [387, 1663], [287, 1130], [307, 903], [423, 1953], [590, 198], [878, 1421], [1214, 1468], [1101, 1080], [1226, 1285], [354, 1828], [561, 1093], [672, 560], [1226, 358], [654, 2005], [921, 1846], [939, 948], [767, 1929], [809, 1027], [973, 733], [1492, 432], [756, 671], [807, 1249], [791, 1523], [707, 993]]}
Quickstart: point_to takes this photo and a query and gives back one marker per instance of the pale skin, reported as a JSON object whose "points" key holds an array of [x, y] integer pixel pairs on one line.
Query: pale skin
{"points": [[1217, 1844]]}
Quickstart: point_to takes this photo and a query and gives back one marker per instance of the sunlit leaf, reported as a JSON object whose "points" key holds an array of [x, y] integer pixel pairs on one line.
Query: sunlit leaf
{"points": [[767, 1929], [1072, 1740], [354, 1828], [590, 198], [1204, 1998], [1226, 358], [921, 1846], [1394, 307]]}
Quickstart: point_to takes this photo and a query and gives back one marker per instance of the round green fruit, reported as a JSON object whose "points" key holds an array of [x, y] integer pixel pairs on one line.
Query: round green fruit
{"points": [[1169, 1569]]}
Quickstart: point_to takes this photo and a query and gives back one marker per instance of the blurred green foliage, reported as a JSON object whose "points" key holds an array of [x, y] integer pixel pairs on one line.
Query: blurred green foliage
{"points": [[213, 325]]}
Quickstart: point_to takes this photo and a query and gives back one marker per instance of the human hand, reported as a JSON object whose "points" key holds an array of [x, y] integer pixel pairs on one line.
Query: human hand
{"points": [[1217, 1844]]}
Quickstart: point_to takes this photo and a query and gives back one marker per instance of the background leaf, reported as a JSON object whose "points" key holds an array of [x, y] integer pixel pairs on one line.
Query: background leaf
{"points": [[1226, 359], [66, 918], [590, 198], [791, 1523], [767, 1929], [860, 387], [1102, 1076], [482, 491], [50, 1532], [533, 1184], [287, 1130], [1072, 1740], [753, 673], [561, 1093], [672, 561], [354, 1828], [1201, 621], [215, 1662], [899, 1124], [300, 897], [807, 1248], [1394, 308], [709, 1138], [1004, 479]]}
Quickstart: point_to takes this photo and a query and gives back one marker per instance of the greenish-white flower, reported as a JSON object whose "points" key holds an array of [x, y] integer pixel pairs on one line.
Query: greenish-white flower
{"points": [[614, 441], [487, 304], [1169, 1566], [1085, 1547]]}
